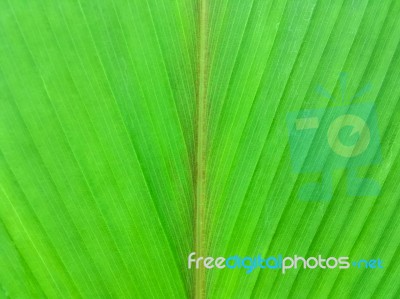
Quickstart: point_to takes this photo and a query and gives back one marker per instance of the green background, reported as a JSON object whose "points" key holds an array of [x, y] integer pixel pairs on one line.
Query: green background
{"points": [[98, 115]]}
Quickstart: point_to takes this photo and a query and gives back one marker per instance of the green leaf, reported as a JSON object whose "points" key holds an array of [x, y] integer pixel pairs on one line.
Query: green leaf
{"points": [[133, 133]]}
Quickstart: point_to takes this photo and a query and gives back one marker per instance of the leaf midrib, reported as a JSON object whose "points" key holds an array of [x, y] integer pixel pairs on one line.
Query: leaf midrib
{"points": [[201, 143]]}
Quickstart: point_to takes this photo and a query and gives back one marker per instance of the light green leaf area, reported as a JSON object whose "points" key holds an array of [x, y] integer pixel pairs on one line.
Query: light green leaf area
{"points": [[133, 133]]}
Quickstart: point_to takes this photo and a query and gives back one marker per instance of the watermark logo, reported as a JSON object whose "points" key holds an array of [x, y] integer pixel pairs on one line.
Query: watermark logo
{"points": [[340, 137], [279, 262]]}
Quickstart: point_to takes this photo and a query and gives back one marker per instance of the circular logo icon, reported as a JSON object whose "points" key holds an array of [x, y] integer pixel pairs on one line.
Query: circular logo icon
{"points": [[359, 126]]}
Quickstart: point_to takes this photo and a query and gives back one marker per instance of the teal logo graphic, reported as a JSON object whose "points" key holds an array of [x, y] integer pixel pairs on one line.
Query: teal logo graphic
{"points": [[324, 140]]}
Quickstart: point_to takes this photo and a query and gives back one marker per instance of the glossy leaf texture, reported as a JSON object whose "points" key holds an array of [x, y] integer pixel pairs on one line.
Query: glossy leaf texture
{"points": [[109, 109]]}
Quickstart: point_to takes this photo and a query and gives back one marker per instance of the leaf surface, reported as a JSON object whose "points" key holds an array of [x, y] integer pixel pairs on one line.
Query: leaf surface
{"points": [[133, 133]]}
